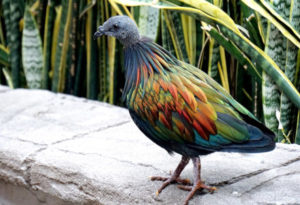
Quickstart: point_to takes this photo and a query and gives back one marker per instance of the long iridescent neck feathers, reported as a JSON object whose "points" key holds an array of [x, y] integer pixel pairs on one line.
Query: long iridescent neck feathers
{"points": [[142, 60]]}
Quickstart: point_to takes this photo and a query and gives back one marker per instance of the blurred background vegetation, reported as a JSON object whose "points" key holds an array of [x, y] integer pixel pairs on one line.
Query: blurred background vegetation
{"points": [[250, 47]]}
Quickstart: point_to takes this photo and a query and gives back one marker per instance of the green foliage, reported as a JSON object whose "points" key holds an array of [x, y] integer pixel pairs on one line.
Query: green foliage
{"points": [[12, 13], [32, 55], [62, 44], [4, 56], [47, 40], [250, 47]]}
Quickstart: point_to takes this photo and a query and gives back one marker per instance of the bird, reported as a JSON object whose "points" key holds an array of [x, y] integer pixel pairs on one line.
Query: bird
{"points": [[181, 108]]}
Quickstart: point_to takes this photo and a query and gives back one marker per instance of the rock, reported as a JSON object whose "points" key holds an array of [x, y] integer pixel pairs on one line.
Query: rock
{"points": [[58, 149]]}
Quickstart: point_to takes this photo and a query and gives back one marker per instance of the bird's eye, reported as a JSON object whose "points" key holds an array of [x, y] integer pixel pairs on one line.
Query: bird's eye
{"points": [[116, 26]]}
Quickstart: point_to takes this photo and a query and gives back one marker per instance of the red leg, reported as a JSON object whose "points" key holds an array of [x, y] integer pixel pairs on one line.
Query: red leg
{"points": [[175, 176], [198, 184]]}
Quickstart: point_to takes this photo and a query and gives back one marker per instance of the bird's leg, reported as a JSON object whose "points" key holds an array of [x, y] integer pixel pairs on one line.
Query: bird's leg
{"points": [[198, 184], [175, 176]]}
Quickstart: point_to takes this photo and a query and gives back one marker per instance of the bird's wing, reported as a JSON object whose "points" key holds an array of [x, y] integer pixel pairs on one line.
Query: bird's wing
{"points": [[184, 107], [216, 87]]}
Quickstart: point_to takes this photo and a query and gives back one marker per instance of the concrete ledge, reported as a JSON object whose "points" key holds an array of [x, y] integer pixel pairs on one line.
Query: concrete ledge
{"points": [[58, 149]]}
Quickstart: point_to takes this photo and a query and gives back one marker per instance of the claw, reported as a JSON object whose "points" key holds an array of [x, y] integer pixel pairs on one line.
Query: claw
{"points": [[184, 184], [168, 181], [193, 189], [158, 178], [199, 187]]}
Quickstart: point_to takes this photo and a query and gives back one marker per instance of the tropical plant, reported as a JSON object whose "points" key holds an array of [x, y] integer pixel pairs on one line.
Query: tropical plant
{"points": [[251, 47]]}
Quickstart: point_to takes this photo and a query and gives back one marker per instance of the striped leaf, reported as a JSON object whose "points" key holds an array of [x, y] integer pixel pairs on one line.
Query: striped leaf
{"points": [[284, 19], [32, 55], [91, 54], [2, 34], [213, 59], [275, 43], [174, 25], [200, 44], [8, 77], [214, 53], [6, 15], [79, 86], [111, 45], [4, 56], [15, 39], [286, 106], [297, 136], [165, 35], [57, 21], [102, 45], [280, 23], [148, 22], [12, 11], [48, 29], [190, 39], [234, 51], [72, 50], [61, 42]]}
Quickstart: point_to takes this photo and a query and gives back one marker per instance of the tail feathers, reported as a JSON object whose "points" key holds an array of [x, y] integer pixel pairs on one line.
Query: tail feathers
{"points": [[258, 142], [261, 139]]}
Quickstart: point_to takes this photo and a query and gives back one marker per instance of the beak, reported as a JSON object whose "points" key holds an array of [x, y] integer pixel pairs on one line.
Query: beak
{"points": [[99, 33]]}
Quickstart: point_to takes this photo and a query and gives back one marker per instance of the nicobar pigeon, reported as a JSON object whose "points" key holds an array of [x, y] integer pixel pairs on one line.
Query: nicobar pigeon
{"points": [[181, 108]]}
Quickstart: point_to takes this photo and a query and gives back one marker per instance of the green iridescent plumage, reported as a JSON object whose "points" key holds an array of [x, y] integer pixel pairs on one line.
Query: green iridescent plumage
{"points": [[179, 107], [179, 104]]}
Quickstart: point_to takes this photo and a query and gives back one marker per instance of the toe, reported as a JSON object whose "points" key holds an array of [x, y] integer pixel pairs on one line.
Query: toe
{"points": [[157, 178], [185, 188]]}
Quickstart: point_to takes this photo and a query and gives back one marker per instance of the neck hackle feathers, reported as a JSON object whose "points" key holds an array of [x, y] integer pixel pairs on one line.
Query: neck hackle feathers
{"points": [[143, 60]]}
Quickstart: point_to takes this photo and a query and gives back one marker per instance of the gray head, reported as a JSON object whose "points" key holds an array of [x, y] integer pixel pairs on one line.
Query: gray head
{"points": [[121, 27]]}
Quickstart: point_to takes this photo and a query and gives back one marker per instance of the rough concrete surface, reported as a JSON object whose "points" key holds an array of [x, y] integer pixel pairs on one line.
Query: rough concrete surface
{"points": [[58, 149]]}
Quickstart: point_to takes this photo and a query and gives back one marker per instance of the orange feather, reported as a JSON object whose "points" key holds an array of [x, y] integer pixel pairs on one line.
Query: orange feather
{"points": [[200, 130], [179, 125], [173, 91], [200, 94], [156, 87], [206, 122], [138, 77], [164, 63], [160, 107], [186, 116], [207, 110], [163, 84], [163, 119], [188, 98]]}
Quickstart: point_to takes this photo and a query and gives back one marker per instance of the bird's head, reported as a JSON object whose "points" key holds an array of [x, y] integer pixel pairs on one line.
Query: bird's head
{"points": [[120, 27]]}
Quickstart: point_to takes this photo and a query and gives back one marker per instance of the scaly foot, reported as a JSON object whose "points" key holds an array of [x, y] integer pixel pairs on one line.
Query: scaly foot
{"points": [[175, 176], [169, 180], [185, 183], [198, 184], [193, 189]]}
